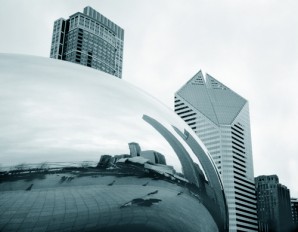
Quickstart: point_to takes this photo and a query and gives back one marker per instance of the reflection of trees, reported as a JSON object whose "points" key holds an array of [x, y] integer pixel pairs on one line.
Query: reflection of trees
{"points": [[20, 167], [44, 166], [85, 164]]}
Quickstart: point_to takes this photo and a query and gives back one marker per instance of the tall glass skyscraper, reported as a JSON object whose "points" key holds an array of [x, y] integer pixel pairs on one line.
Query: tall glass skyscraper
{"points": [[89, 39], [220, 117]]}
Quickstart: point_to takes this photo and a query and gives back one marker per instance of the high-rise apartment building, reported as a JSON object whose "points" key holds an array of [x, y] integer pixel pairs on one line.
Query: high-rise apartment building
{"points": [[220, 117], [89, 39], [273, 203], [294, 207]]}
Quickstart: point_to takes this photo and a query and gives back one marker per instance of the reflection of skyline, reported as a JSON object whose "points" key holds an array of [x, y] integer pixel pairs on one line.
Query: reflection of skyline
{"points": [[74, 122], [153, 164], [211, 189], [145, 164], [67, 126], [87, 198], [148, 159]]}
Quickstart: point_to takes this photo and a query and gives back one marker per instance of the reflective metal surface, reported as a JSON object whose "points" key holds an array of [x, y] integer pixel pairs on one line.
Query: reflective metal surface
{"points": [[82, 150]]}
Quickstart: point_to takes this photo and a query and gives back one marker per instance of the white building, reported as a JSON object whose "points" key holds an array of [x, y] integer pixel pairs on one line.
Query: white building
{"points": [[220, 117]]}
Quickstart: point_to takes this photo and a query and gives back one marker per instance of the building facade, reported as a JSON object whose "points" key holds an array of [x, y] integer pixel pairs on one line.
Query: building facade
{"points": [[294, 207], [220, 118], [89, 39], [273, 203]]}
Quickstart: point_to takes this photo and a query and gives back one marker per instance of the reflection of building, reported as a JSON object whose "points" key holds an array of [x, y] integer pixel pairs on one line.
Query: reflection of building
{"points": [[134, 149], [89, 39], [220, 118], [294, 206], [107, 161], [154, 157], [273, 200], [104, 161]]}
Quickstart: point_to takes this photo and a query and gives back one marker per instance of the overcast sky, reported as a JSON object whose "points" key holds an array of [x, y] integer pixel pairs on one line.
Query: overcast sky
{"points": [[250, 46]]}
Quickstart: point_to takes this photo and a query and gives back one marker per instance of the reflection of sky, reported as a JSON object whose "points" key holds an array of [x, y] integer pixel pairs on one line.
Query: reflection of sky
{"points": [[73, 114], [55, 111]]}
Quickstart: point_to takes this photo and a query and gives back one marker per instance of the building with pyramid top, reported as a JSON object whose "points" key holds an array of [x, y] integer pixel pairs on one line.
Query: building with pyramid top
{"points": [[220, 118]]}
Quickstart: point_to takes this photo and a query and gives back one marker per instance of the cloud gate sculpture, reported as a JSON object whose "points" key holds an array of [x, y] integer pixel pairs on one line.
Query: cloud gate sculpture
{"points": [[83, 151]]}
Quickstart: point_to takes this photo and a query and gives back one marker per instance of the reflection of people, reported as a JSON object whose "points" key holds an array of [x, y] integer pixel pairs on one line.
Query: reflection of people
{"points": [[135, 149]]}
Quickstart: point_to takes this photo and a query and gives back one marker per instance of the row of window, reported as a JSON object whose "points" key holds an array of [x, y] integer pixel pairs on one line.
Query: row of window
{"points": [[93, 26], [77, 42], [84, 59]]}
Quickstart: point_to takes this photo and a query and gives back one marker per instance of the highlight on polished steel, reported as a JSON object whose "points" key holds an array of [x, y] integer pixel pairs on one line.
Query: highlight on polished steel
{"points": [[81, 150]]}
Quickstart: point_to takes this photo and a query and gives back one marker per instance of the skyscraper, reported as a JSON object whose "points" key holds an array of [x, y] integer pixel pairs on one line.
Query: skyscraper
{"points": [[89, 39], [220, 117], [274, 207], [294, 207]]}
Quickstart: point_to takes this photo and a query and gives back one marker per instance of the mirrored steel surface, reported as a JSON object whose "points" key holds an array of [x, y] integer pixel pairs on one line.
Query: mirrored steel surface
{"points": [[82, 150]]}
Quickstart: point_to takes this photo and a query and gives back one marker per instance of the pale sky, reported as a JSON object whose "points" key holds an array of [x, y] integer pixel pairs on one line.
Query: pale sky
{"points": [[251, 46]]}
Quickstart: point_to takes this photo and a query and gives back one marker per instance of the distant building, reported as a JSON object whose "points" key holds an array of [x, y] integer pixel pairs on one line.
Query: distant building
{"points": [[273, 204], [135, 149], [89, 39], [294, 207], [220, 118]]}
